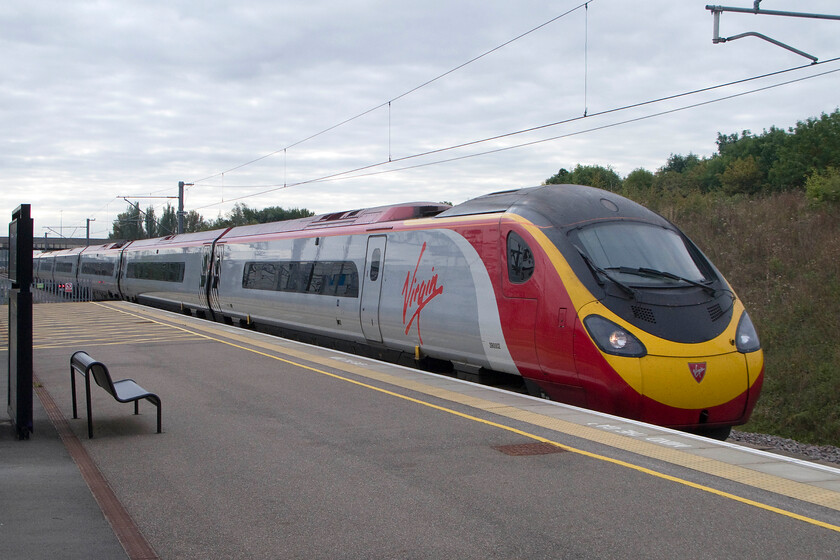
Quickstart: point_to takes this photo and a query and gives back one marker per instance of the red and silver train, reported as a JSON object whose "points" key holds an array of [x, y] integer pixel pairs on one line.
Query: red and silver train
{"points": [[590, 298]]}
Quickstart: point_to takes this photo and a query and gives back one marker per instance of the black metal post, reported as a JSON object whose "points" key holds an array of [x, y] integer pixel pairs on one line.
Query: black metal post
{"points": [[87, 231], [19, 398], [180, 207]]}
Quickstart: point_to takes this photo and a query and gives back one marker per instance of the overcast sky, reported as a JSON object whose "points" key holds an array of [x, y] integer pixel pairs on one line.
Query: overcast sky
{"points": [[105, 99]]}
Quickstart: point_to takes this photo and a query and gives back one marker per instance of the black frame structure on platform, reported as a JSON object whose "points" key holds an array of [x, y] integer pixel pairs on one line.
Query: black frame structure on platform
{"points": [[20, 321]]}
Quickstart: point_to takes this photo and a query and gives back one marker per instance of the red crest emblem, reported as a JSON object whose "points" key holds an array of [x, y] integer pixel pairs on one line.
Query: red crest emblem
{"points": [[698, 370]]}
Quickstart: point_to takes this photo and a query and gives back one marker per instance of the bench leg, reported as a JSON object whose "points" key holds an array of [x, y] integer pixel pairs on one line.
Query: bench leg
{"points": [[87, 397], [73, 388], [156, 402], [136, 410]]}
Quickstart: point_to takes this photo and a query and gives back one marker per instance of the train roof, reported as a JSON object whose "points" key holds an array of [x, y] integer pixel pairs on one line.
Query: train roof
{"points": [[76, 250], [363, 216], [564, 203], [60, 253], [489, 203], [560, 205], [108, 246], [198, 237]]}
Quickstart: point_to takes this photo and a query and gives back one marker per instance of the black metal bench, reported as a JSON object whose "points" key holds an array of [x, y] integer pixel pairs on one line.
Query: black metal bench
{"points": [[123, 391]]}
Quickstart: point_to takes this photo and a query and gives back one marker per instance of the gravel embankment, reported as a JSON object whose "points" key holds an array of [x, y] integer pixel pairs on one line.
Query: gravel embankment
{"points": [[827, 453]]}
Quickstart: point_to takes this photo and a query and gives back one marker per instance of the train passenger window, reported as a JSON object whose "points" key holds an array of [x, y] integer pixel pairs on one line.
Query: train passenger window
{"points": [[332, 278], [160, 271], [520, 259], [374, 265], [346, 279], [319, 282], [297, 278], [98, 269], [260, 276]]}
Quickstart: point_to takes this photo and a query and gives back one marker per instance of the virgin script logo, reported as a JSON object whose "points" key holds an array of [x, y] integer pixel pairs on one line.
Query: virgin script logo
{"points": [[698, 370], [417, 295]]}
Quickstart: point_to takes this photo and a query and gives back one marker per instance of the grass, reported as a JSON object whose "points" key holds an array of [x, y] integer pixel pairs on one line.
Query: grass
{"points": [[782, 257]]}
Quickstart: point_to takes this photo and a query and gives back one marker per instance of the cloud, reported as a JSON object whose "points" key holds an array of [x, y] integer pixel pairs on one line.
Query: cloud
{"points": [[105, 99]]}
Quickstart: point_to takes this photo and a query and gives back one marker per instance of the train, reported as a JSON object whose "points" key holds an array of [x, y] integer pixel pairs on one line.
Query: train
{"points": [[586, 297]]}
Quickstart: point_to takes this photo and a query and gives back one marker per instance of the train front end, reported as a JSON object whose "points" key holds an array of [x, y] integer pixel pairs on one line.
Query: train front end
{"points": [[659, 335]]}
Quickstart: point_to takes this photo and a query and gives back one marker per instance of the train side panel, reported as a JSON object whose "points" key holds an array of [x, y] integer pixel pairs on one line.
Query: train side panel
{"points": [[166, 271], [98, 267], [309, 284], [44, 273], [166, 276], [65, 269], [438, 297]]}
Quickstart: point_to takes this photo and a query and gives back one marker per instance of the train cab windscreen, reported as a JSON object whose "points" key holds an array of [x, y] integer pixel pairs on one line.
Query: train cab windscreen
{"points": [[640, 254]]}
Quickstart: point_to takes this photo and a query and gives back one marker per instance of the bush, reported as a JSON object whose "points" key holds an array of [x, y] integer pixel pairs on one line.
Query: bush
{"points": [[823, 187], [741, 176]]}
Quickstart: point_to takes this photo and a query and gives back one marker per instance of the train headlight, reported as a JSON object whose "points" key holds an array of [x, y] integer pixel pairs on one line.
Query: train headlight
{"points": [[612, 338], [618, 339], [746, 337]]}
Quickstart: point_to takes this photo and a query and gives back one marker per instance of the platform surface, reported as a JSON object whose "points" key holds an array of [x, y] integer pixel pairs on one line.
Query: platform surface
{"points": [[274, 449]]}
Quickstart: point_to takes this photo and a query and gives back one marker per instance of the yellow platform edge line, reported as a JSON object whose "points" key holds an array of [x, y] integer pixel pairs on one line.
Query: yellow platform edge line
{"points": [[770, 483]]}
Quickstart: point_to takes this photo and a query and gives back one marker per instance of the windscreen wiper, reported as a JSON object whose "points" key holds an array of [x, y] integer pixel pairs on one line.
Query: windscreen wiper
{"points": [[642, 271], [596, 270]]}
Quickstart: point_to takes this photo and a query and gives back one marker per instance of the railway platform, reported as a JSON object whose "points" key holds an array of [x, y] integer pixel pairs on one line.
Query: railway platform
{"points": [[275, 449]]}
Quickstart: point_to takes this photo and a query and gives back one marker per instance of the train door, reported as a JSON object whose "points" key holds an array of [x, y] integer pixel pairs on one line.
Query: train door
{"points": [[120, 274], [206, 255], [213, 282], [372, 287], [211, 265]]}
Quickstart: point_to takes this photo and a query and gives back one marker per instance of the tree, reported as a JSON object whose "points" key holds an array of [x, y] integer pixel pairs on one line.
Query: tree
{"points": [[193, 222], [706, 174], [679, 163], [151, 223], [168, 224], [638, 181], [241, 215], [591, 175], [128, 225], [559, 178], [278, 214], [814, 145], [237, 215], [135, 224], [745, 163]]}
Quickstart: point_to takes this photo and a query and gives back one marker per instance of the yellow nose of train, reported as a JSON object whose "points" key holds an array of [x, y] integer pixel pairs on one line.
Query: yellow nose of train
{"points": [[689, 385]]}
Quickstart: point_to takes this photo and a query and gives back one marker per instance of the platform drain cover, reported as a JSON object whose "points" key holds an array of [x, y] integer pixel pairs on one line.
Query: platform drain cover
{"points": [[521, 449]]}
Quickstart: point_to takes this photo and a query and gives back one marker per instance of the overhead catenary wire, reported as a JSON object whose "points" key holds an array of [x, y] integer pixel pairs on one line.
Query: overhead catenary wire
{"points": [[357, 172], [366, 169], [597, 128], [402, 95]]}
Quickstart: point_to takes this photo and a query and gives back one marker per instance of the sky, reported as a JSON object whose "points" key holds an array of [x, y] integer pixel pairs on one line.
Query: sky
{"points": [[331, 106]]}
